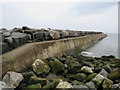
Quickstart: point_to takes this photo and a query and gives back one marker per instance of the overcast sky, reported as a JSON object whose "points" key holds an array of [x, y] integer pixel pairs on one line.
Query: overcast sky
{"points": [[95, 16]]}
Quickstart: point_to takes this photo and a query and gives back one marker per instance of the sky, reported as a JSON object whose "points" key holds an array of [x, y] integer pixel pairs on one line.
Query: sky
{"points": [[74, 15]]}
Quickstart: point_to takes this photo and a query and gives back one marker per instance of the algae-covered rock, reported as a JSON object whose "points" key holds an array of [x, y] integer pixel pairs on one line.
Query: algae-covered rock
{"points": [[64, 84], [52, 84], [62, 59], [52, 76], [91, 76], [75, 82], [86, 69], [40, 67], [87, 63], [107, 83], [103, 72], [97, 70], [27, 75], [35, 80], [91, 85], [72, 64], [12, 79], [57, 66], [107, 68], [79, 76], [114, 74], [36, 86], [97, 80]]}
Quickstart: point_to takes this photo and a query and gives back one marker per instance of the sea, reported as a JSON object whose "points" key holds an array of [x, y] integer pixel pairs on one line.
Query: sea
{"points": [[107, 46]]}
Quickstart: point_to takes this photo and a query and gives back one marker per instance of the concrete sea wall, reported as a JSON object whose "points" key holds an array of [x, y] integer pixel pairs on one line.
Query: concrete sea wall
{"points": [[22, 57]]}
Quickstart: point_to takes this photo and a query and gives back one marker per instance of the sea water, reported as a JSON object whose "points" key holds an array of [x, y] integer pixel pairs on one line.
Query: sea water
{"points": [[107, 46]]}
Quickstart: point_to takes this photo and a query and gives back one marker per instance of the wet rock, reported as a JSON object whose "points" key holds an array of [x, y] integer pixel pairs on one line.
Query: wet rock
{"points": [[36, 86], [97, 80], [91, 76], [40, 67], [114, 74], [111, 56], [64, 84], [103, 72], [91, 86], [86, 69], [57, 66], [107, 83], [12, 79], [35, 80]]}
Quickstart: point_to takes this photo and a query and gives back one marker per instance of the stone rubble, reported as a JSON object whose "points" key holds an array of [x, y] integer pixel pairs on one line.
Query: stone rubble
{"points": [[68, 72]]}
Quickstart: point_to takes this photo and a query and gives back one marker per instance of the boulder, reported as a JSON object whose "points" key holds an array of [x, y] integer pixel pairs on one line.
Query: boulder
{"points": [[35, 80], [97, 69], [116, 86], [83, 87], [91, 85], [40, 67], [91, 76], [79, 76], [3, 86], [36, 86], [27, 75], [4, 47], [107, 83], [86, 69], [103, 72], [62, 59], [107, 68], [6, 34], [52, 76], [52, 84], [57, 66], [12, 79], [114, 74], [19, 38], [64, 84], [72, 65], [75, 82], [97, 80], [9, 41]]}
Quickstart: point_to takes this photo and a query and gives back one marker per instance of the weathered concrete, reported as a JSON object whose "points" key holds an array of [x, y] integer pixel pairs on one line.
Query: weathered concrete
{"points": [[22, 57]]}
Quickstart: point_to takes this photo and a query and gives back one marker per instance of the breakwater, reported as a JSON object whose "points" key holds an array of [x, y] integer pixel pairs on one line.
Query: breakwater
{"points": [[22, 57]]}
